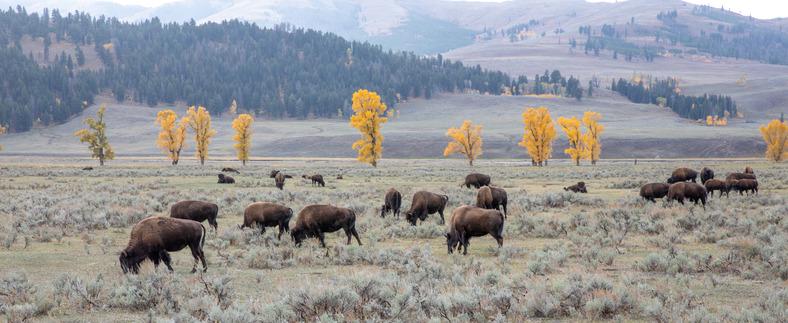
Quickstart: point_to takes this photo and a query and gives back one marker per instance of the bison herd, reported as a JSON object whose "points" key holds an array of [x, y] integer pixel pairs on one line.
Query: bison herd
{"points": [[153, 238]]}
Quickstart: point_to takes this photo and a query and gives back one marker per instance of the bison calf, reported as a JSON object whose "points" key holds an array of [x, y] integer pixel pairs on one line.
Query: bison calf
{"points": [[196, 211], [470, 221], [653, 191], [316, 220], [265, 215], [425, 203], [580, 187], [692, 191], [682, 174], [153, 238], [391, 203], [476, 180], [224, 179]]}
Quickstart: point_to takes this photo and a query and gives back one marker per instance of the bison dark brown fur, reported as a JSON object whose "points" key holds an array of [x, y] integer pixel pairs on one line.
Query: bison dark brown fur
{"points": [[706, 174], [580, 187], [746, 185], [425, 203], [716, 185], [738, 176], [196, 211], [265, 214], [490, 197], [224, 179], [748, 170], [391, 203], [470, 221], [153, 238], [476, 180], [682, 174], [653, 191], [230, 170], [317, 180], [691, 191], [316, 220]]}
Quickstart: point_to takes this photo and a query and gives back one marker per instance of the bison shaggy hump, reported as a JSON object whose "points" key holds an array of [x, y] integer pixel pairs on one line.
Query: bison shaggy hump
{"points": [[738, 176], [476, 180], [316, 220], [153, 238], [425, 203], [683, 190], [196, 211], [653, 191], [265, 215], [470, 221], [682, 174]]}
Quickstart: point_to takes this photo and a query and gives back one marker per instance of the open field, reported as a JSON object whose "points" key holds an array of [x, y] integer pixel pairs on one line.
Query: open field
{"points": [[566, 256]]}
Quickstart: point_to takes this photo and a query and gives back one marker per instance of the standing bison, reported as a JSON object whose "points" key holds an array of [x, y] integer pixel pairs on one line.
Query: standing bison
{"points": [[682, 174], [425, 203], [706, 174], [580, 187], [279, 180], [391, 203], [267, 215], [316, 220], [153, 238], [691, 191], [738, 176], [494, 198], [746, 185], [716, 185], [317, 180], [230, 170], [748, 170], [476, 180], [470, 221], [653, 191], [196, 211]]}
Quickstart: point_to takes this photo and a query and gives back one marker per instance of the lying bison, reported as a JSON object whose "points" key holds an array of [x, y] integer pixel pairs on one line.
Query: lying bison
{"points": [[265, 214], [653, 191], [317, 180], [391, 203], [279, 180], [738, 176], [470, 221], [153, 238], [476, 180], [746, 185], [196, 211], [691, 191], [706, 174], [224, 179], [490, 197], [316, 220], [425, 203], [682, 174], [87, 168], [716, 185], [580, 187], [230, 170]]}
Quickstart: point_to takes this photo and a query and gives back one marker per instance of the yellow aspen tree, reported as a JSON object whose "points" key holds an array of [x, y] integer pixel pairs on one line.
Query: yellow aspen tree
{"points": [[2, 132], [571, 128], [200, 122], [95, 136], [466, 140], [243, 136], [775, 134], [591, 142], [171, 137], [539, 134], [369, 115]]}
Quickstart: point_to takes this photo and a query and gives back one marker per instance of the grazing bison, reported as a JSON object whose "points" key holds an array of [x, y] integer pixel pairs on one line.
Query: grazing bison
{"points": [[691, 191], [476, 180], [316, 180], [490, 197], [653, 191], [196, 211], [265, 215], [580, 187], [274, 172], [738, 176], [470, 221], [224, 179], [230, 170], [748, 170], [316, 220], [153, 238], [87, 168], [716, 185], [706, 174], [391, 203], [746, 185], [279, 179], [682, 174], [425, 203]]}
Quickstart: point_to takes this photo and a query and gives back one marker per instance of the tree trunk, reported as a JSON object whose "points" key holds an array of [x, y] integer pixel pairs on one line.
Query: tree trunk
{"points": [[577, 162], [174, 162], [470, 161], [243, 162], [101, 161], [202, 161]]}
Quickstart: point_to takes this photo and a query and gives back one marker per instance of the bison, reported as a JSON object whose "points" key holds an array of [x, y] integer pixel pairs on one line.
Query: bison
{"points": [[196, 211], [746, 185], [316, 180], [153, 238], [224, 179], [476, 180], [738, 176], [316, 220], [279, 180], [490, 197], [274, 172], [230, 170], [391, 203], [691, 191], [580, 187], [425, 203], [748, 170], [682, 174], [87, 168], [265, 215], [716, 185], [470, 221], [706, 174], [653, 191]]}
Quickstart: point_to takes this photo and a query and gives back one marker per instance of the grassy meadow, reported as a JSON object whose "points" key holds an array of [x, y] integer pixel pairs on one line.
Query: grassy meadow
{"points": [[566, 256]]}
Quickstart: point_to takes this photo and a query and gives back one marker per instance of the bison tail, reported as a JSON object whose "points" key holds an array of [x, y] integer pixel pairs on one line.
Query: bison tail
{"points": [[445, 199]]}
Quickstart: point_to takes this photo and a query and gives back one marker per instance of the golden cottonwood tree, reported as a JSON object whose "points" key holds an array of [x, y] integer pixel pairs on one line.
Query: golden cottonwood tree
{"points": [[243, 136], [467, 140], [775, 134], [591, 141], [171, 137], [96, 137], [571, 128], [200, 122], [369, 115], [539, 134]]}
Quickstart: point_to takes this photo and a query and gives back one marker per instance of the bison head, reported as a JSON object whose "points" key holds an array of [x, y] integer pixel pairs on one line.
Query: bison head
{"points": [[298, 235], [383, 209], [129, 262], [452, 242], [671, 180], [411, 218]]}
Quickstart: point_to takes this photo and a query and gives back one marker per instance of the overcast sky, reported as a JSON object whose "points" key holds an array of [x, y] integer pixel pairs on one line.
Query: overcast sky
{"points": [[764, 9]]}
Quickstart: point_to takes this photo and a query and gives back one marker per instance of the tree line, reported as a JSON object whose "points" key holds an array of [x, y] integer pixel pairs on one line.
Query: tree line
{"points": [[668, 94]]}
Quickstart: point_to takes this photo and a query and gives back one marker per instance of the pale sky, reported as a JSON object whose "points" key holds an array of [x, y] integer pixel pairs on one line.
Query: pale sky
{"points": [[763, 9]]}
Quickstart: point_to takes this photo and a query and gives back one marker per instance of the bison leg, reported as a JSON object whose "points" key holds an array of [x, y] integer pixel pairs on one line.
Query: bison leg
{"points": [[322, 238], [262, 228], [465, 243], [281, 230], [199, 256], [441, 214], [355, 234], [165, 257]]}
